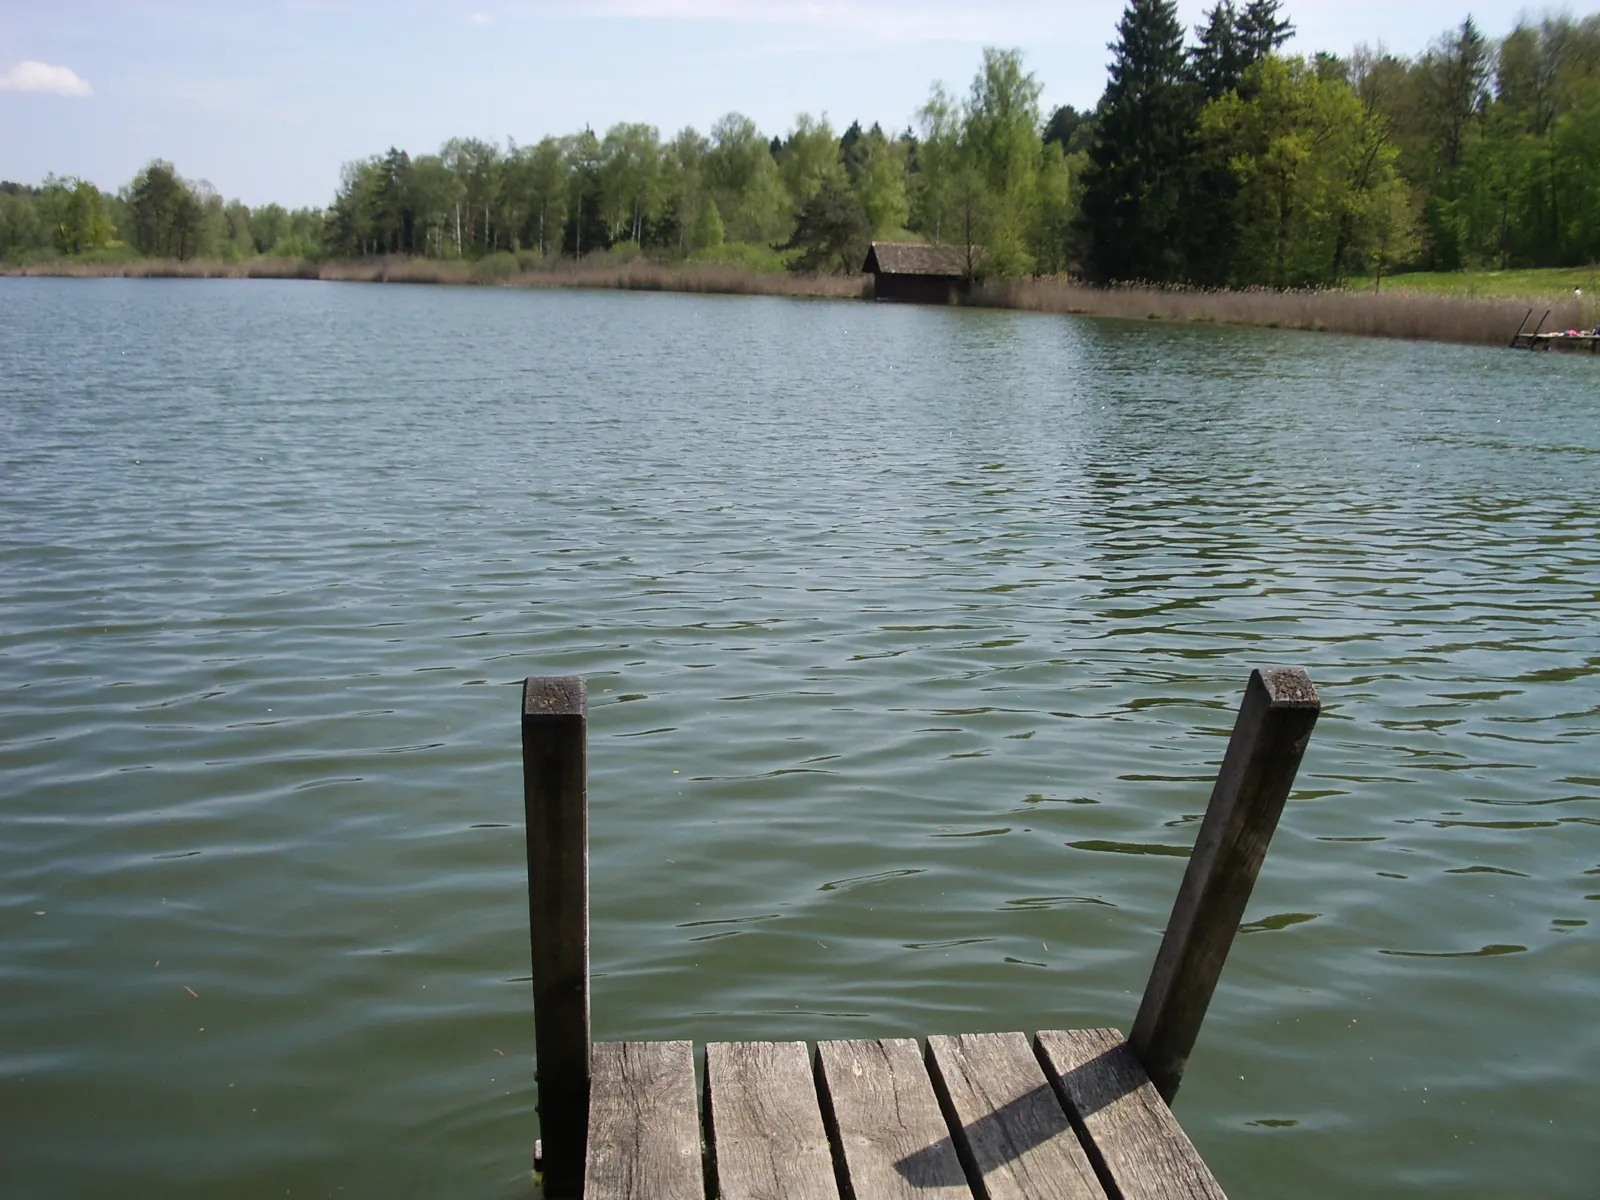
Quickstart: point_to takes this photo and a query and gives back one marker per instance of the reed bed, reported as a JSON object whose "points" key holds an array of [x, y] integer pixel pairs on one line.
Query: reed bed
{"points": [[172, 268], [496, 271], [643, 276], [1396, 314]]}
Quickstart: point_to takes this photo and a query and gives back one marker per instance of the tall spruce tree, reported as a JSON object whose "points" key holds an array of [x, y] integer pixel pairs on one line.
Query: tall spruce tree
{"points": [[1218, 58], [1457, 76], [1133, 190], [1261, 30], [1232, 41]]}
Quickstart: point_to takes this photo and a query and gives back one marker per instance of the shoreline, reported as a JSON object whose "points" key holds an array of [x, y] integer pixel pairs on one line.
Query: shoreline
{"points": [[1406, 315]]}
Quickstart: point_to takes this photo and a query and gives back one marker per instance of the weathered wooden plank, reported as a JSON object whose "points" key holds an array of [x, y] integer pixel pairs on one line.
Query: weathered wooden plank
{"points": [[763, 1123], [644, 1123], [555, 786], [1269, 738], [1013, 1136], [1134, 1141], [885, 1120]]}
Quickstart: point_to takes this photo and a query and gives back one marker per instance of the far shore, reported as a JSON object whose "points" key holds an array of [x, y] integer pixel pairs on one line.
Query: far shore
{"points": [[1393, 313]]}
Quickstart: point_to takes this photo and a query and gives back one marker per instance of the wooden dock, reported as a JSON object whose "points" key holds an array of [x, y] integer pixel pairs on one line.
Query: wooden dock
{"points": [[1571, 339], [1066, 1115]]}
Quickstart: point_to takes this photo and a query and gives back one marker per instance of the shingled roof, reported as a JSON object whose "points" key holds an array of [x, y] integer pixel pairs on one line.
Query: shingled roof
{"points": [[914, 258]]}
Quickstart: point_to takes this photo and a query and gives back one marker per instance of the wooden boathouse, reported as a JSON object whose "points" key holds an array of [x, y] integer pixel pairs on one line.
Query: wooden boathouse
{"points": [[1071, 1114], [918, 273]]}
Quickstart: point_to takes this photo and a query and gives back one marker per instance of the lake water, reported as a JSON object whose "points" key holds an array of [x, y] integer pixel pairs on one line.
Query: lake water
{"points": [[913, 639]]}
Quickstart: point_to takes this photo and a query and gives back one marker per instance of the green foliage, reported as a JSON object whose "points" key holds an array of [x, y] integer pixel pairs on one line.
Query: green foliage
{"points": [[742, 254], [113, 254], [539, 173], [939, 163], [74, 211], [269, 225], [1057, 196], [832, 231], [237, 237], [20, 232], [295, 246], [167, 213], [985, 181], [1070, 129], [742, 176], [809, 159], [632, 191], [1317, 190], [499, 266], [708, 229], [880, 183]]}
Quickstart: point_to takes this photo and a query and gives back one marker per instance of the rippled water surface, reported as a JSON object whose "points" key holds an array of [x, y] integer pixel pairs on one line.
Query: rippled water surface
{"points": [[913, 639]]}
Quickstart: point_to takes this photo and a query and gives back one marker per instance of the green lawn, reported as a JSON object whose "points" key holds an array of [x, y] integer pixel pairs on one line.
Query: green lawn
{"points": [[1540, 283]]}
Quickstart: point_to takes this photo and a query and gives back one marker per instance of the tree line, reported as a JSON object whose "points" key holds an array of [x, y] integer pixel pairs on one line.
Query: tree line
{"points": [[1222, 162], [158, 214], [1212, 159]]}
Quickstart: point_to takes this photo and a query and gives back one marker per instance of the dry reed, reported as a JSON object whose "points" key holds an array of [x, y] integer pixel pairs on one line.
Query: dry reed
{"points": [[172, 268], [1412, 315], [498, 271]]}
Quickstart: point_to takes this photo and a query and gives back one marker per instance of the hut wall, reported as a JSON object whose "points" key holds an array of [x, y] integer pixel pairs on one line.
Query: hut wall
{"points": [[916, 289]]}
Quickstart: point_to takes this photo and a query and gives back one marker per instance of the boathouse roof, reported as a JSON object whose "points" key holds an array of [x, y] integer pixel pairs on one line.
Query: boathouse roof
{"points": [[916, 258]]}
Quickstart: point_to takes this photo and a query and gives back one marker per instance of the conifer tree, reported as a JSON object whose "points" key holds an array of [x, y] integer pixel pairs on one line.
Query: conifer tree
{"points": [[1261, 31], [1133, 190], [1232, 41], [1218, 58]]}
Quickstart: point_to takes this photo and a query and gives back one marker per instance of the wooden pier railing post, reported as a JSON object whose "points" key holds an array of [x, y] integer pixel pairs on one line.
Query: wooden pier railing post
{"points": [[1533, 338], [1269, 738], [555, 715]]}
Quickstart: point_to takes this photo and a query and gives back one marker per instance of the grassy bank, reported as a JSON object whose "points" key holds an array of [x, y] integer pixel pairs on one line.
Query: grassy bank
{"points": [[1551, 283], [1483, 308], [1393, 314]]}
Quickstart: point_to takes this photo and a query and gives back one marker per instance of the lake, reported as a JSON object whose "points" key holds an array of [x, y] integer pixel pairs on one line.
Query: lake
{"points": [[913, 639]]}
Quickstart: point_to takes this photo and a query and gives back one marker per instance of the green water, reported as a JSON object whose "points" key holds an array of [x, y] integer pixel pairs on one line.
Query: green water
{"points": [[913, 639]]}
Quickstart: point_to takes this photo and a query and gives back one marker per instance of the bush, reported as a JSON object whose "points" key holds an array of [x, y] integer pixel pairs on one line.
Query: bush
{"points": [[742, 254], [113, 254], [500, 265], [299, 246]]}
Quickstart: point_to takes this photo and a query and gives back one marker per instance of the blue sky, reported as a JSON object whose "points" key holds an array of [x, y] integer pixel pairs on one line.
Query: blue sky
{"points": [[266, 100]]}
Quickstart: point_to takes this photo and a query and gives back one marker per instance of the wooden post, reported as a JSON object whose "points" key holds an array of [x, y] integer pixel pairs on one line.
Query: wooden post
{"points": [[555, 715], [1275, 721]]}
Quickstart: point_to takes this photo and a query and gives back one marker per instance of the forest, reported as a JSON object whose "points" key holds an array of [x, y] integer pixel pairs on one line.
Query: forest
{"points": [[1212, 158]]}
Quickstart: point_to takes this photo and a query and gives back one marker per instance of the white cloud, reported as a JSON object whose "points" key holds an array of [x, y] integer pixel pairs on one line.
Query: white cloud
{"points": [[42, 77], [480, 18]]}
